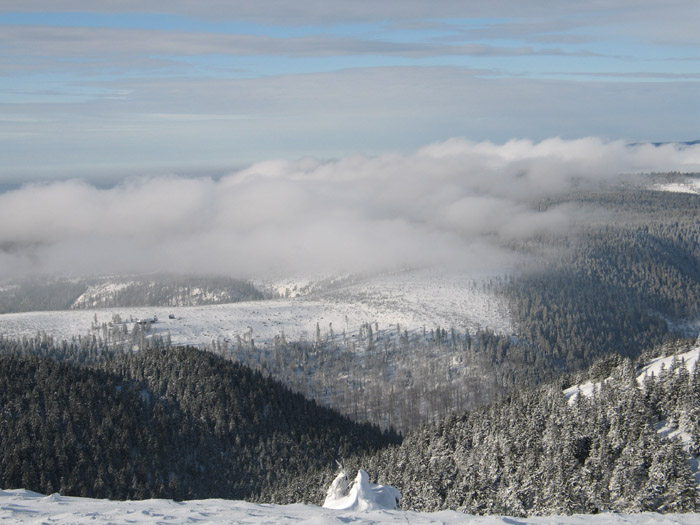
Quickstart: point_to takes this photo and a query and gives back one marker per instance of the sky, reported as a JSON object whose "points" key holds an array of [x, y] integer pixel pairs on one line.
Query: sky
{"points": [[103, 90], [323, 135]]}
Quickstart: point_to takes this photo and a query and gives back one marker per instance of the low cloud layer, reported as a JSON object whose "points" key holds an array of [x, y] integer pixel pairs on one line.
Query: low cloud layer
{"points": [[454, 201]]}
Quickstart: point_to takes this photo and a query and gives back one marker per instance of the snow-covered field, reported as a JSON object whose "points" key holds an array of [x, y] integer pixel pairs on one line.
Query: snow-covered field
{"points": [[22, 506], [687, 186], [412, 299]]}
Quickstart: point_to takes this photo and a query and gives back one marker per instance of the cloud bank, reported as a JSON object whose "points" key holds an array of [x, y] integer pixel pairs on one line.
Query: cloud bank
{"points": [[450, 202]]}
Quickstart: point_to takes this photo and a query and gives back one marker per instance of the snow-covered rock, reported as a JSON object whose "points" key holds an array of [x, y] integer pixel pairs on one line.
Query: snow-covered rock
{"points": [[360, 494]]}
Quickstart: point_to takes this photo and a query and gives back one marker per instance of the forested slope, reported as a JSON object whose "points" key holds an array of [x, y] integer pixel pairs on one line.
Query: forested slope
{"points": [[535, 453], [62, 293], [183, 423], [618, 286], [176, 423]]}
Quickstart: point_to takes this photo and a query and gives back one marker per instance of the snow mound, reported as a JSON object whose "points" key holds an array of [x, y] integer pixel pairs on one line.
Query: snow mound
{"points": [[360, 494]]}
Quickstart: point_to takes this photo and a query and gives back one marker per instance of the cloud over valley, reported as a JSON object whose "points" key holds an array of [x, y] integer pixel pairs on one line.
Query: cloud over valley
{"points": [[455, 201]]}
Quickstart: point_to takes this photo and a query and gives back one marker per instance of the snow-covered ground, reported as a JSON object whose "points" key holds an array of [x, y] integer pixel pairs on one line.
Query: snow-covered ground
{"points": [[21, 506], [686, 186], [413, 299], [689, 359]]}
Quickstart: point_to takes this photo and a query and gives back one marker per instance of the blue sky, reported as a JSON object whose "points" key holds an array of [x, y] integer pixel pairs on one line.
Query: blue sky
{"points": [[106, 89]]}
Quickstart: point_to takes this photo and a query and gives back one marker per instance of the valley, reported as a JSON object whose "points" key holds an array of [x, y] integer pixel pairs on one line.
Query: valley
{"points": [[456, 386], [349, 262], [411, 299]]}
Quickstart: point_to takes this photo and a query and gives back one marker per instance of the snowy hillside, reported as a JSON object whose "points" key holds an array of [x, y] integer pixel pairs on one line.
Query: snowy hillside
{"points": [[412, 299], [94, 294], [689, 359], [427, 297], [22, 506]]}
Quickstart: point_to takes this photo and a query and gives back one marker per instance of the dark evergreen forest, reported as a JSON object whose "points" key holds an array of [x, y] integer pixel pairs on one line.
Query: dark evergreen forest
{"points": [[164, 422], [620, 286]]}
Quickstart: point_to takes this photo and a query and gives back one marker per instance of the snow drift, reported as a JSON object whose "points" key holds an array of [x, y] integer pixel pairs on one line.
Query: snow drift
{"points": [[19, 506]]}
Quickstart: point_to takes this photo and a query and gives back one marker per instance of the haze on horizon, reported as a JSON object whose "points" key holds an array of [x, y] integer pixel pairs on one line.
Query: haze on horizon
{"points": [[241, 138]]}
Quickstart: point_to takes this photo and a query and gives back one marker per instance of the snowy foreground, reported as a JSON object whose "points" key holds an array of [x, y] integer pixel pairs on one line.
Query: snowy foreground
{"points": [[22, 506]]}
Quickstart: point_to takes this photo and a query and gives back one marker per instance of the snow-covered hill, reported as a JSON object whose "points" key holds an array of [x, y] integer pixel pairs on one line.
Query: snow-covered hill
{"points": [[22, 506], [688, 359], [413, 299]]}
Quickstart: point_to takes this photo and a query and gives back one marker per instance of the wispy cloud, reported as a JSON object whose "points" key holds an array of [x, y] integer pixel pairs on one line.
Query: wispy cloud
{"points": [[450, 202], [184, 126], [106, 45], [121, 85]]}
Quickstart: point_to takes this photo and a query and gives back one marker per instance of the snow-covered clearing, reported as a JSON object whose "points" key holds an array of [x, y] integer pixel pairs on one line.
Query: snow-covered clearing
{"points": [[686, 186], [412, 299], [22, 506], [689, 359]]}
